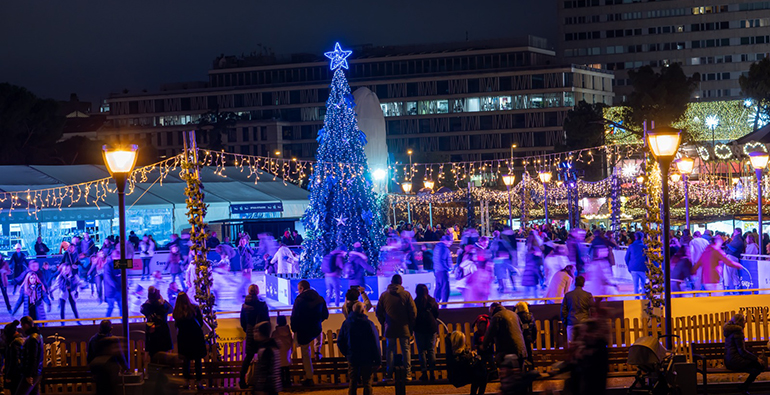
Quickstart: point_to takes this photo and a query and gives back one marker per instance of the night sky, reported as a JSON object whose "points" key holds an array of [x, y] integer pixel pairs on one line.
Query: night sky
{"points": [[92, 48]]}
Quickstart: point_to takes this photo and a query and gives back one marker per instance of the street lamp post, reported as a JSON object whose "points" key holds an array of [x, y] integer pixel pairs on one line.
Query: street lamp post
{"points": [[664, 142], [545, 178], [429, 184], [686, 166], [120, 162], [407, 187], [759, 163], [508, 181]]}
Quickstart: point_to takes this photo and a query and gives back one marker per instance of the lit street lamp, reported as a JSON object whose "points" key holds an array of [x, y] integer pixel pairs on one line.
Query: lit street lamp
{"points": [[545, 178], [664, 142], [759, 163], [120, 162], [508, 181], [675, 177], [686, 166], [429, 184], [407, 187]]}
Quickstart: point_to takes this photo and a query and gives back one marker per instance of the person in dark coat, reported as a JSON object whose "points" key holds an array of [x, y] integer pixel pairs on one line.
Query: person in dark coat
{"points": [[5, 270], [190, 339], [504, 333], [464, 366], [442, 265], [307, 316], [32, 354], [94, 345], [357, 266], [158, 334], [528, 328], [396, 312], [636, 262], [425, 331], [18, 262], [266, 376], [41, 249], [737, 358], [359, 342], [253, 311], [111, 284], [576, 307], [33, 296], [13, 342]]}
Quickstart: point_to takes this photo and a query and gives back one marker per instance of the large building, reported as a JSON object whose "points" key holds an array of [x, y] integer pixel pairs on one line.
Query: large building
{"points": [[463, 101], [719, 40]]}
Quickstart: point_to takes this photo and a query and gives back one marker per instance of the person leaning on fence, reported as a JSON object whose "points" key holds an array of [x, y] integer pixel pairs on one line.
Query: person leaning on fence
{"points": [[504, 333], [359, 342], [737, 358], [265, 374], [396, 313], [307, 317], [32, 354], [94, 345], [576, 307], [158, 334], [253, 311], [13, 342]]}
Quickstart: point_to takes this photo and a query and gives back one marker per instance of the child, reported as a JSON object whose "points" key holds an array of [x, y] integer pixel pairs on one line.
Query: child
{"points": [[265, 371], [283, 336], [480, 325]]}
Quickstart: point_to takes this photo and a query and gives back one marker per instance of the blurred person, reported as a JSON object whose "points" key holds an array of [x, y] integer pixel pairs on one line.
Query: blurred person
{"points": [[442, 265], [532, 276], [97, 272], [13, 342], [32, 358], [357, 266], [332, 267], [146, 252], [5, 270], [737, 358], [112, 284], [285, 340], [359, 342], [284, 259], [253, 311], [67, 283], [636, 262], [681, 267], [174, 266], [710, 262], [266, 375], [426, 331], [504, 333], [191, 342], [18, 264]]}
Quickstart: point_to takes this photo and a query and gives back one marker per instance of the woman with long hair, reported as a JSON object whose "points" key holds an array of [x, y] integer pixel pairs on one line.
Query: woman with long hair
{"points": [[465, 366], [68, 284], [190, 339], [33, 295], [425, 331], [737, 358], [156, 310]]}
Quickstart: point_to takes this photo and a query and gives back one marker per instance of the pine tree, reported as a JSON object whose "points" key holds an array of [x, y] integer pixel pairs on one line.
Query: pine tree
{"points": [[343, 206]]}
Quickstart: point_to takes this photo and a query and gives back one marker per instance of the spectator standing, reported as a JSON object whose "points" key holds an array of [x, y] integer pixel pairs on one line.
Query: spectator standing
{"points": [[359, 342], [636, 262], [352, 296], [134, 239], [95, 344], [504, 333], [253, 311], [576, 307], [146, 252], [737, 358], [190, 339], [357, 266], [307, 316], [266, 375], [442, 265], [13, 344], [285, 340], [297, 237], [158, 334], [465, 366], [528, 328], [41, 250], [397, 312], [332, 267], [426, 331], [32, 354]]}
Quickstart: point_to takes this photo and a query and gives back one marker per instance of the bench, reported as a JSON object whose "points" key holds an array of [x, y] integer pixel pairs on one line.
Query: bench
{"points": [[617, 359], [709, 357], [66, 379]]}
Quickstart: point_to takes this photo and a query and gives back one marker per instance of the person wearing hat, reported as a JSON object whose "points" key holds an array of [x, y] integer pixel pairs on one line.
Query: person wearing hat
{"points": [[636, 262], [442, 265], [18, 262], [332, 267]]}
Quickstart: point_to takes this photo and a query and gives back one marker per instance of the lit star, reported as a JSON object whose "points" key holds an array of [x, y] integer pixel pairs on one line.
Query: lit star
{"points": [[338, 57], [341, 220]]}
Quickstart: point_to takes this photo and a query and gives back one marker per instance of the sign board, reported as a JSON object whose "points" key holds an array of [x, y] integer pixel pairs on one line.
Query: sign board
{"points": [[123, 263], [256, 208]]}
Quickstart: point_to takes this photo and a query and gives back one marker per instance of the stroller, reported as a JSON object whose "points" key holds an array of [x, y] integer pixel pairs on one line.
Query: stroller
{"points": [[655, 373]]}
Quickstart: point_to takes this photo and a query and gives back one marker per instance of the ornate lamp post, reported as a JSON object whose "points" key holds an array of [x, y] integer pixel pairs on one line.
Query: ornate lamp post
{"points": [[664, 142], [508, 181], [120, 162], [407, 187], [759, 163], [545, 178], [686, 166], [429, 184]]}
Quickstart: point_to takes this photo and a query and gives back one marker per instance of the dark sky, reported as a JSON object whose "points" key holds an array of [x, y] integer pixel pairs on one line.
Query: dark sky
{"points": [[92, 47]]}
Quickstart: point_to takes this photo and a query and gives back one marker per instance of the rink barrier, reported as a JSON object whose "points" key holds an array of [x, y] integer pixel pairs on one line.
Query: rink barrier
{"points": [[332, 369]]}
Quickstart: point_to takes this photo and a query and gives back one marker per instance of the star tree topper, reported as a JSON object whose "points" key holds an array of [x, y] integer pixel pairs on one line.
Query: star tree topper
{"points": [[338, 57]]}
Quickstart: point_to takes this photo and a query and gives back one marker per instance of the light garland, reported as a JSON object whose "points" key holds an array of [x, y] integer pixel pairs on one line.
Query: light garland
{"points": [[651, 225]]}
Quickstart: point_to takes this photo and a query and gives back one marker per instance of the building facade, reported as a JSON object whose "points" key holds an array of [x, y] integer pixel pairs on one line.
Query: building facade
{"points": [[463, 101], [719, 40]]}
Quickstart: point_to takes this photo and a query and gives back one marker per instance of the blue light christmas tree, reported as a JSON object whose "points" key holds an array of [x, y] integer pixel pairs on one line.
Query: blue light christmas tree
{"points": [[343, 206]]}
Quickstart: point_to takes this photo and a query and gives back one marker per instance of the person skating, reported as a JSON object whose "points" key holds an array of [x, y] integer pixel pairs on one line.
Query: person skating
{"points": [[442, 265]]}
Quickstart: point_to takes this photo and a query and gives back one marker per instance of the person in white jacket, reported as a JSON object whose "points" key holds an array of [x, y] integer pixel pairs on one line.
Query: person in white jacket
{"points": [[285, 259], [560, 284]]}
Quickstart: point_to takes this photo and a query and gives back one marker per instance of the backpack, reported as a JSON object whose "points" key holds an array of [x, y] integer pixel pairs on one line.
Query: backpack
{"points": [[329, 263]]}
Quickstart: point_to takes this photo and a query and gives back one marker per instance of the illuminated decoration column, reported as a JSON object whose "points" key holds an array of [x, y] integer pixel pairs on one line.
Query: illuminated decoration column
{"points": [[615, 203], [508, 181], [407, 187], [120, 162], [545, 178], [664, 143], [686, 166], [523, 188], [429, 184], [759, 163]]}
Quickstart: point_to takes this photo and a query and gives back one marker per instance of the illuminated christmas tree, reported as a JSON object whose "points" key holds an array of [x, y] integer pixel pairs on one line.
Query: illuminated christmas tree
{"points": [[343, 206]]}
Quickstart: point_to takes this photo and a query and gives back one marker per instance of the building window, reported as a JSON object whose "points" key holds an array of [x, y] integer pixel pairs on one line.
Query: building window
{"points": [[245, 134]]}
